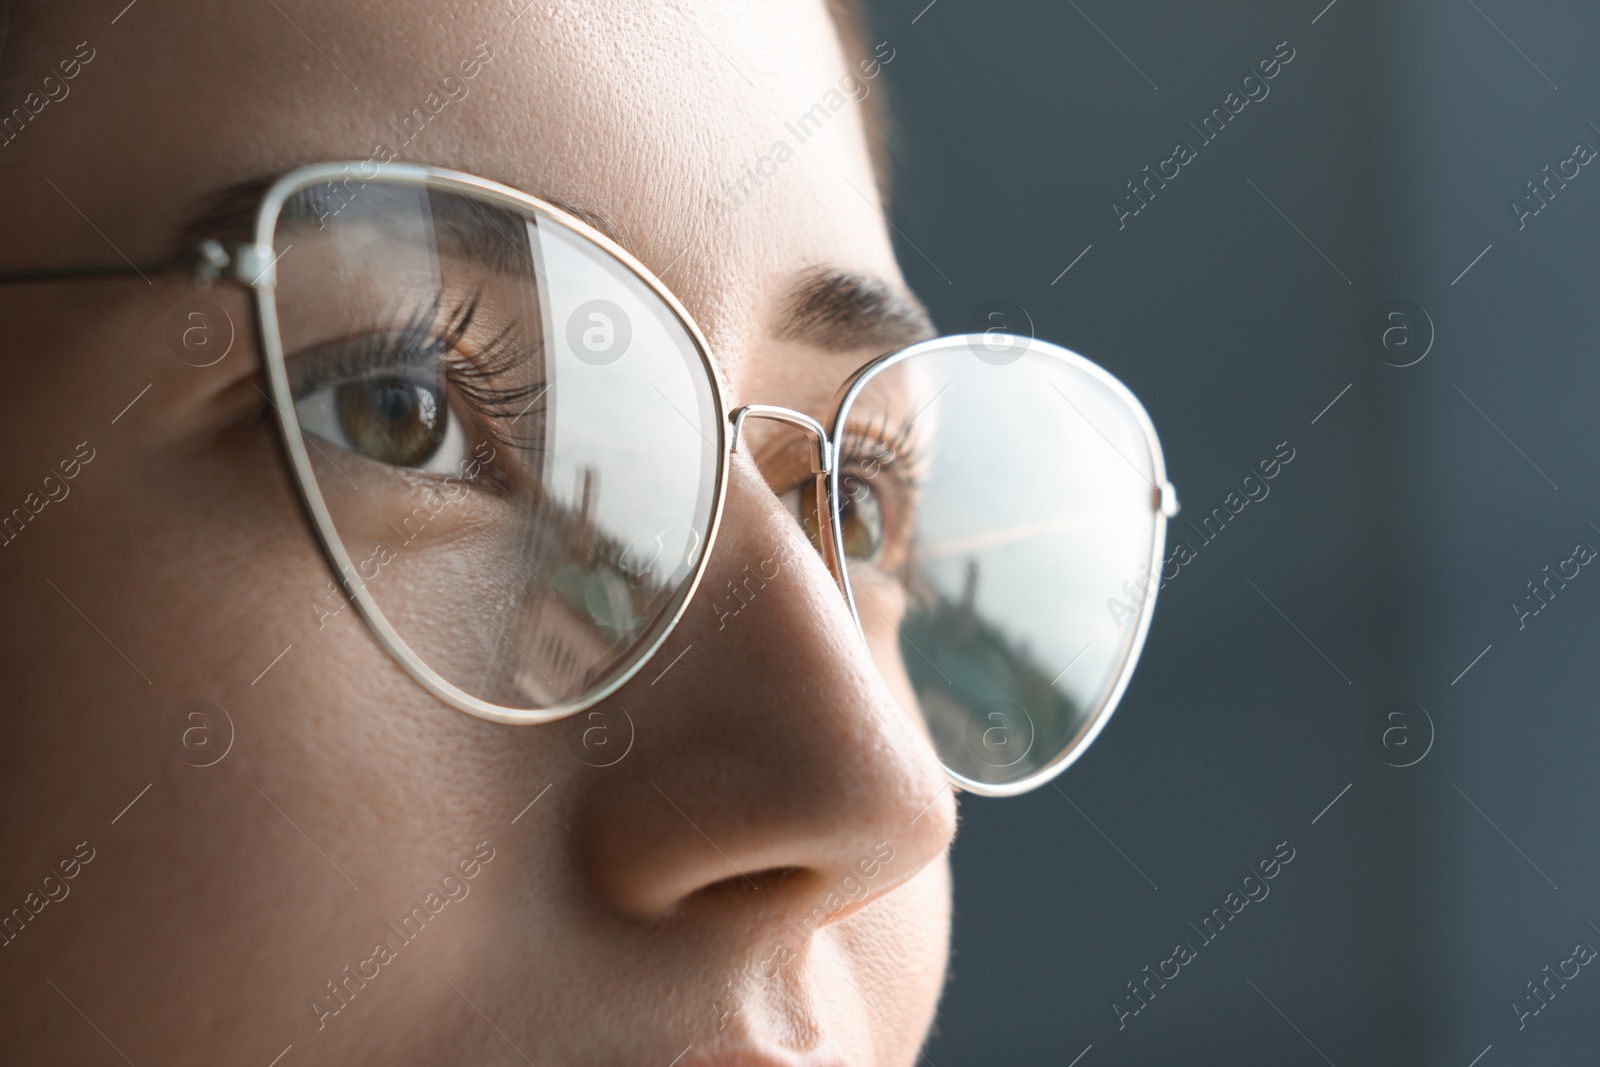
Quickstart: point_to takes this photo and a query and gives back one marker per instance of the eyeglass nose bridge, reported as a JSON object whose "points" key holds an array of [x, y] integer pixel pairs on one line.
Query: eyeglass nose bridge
{"points": [[821, 459]]}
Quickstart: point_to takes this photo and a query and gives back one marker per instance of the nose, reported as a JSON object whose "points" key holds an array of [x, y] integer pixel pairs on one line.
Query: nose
{"points": [[773, 768]]}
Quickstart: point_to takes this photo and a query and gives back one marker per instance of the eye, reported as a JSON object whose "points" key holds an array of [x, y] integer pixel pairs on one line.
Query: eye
{"points": [[861, 524], [860, 518], [397, 419]]}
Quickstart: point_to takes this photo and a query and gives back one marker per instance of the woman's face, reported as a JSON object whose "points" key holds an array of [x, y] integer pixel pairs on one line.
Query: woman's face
{"points": [[367, 875]]}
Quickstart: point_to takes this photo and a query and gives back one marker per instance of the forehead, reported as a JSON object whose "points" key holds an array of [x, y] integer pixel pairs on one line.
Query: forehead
{"points": [[666, 120]]}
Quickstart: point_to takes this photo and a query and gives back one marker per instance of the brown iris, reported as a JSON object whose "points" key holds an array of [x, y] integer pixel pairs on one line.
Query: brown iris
{"points": [[860, 517], [394, 420]]}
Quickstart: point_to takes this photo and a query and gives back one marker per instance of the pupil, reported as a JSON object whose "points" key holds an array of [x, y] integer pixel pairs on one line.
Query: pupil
{"points": [[393, 420], [402, 403]]}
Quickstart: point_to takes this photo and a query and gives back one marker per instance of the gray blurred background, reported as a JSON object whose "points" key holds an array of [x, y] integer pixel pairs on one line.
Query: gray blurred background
{"points": [[1289, 660]]}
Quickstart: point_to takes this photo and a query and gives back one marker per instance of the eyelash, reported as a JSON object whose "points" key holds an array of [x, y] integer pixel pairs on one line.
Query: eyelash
{"points": [[423, 339], [875, 443]]}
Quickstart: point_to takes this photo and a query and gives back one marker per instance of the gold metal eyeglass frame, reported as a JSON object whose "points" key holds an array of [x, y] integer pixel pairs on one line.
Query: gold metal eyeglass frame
{"points": [[253, 265]]}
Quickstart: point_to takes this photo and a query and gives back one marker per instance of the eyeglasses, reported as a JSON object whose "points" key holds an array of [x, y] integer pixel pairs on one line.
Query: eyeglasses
{"points": [[512, 443]]}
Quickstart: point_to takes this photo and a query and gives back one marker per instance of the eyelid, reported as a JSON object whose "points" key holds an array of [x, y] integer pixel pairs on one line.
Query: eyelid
{"points": [[329, 364], [785, 461], [412, 340], [886, 444], [474, 371]]}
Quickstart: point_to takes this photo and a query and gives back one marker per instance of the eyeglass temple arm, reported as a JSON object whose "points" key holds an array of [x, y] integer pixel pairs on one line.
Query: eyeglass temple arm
{"points": [[248, 264]]}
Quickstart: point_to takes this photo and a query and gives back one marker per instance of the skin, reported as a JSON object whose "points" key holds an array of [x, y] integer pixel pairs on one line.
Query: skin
{"points": [[615, 912]]}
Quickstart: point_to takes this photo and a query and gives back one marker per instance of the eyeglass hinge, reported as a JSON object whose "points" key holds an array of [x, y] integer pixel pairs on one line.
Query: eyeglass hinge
{"points": [[248, 264]]}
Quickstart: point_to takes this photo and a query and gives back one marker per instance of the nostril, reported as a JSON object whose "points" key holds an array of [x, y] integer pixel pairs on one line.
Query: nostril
{"points": [[773, 877], [743, 884], [804, 898], [775, 891]]}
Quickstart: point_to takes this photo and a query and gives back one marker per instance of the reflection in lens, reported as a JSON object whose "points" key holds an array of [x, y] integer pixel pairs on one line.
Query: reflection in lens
{"points": [[516, 440], [1022, 496]]}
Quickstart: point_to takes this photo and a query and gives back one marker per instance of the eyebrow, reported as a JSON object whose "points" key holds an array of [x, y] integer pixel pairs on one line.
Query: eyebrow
{"points": [[844, 311]]}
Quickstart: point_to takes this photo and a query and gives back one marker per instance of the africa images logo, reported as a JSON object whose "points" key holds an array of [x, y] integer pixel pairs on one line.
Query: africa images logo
{"points": [[340, 991]]}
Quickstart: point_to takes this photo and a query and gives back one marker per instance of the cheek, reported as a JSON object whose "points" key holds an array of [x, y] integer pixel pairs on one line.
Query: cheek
{"points": [[896, 953], [201, 571]]}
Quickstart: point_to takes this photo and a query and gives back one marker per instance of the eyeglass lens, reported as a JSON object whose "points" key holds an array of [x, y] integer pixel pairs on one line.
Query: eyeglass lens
{"points": [[998, 515], [516, 439]]}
